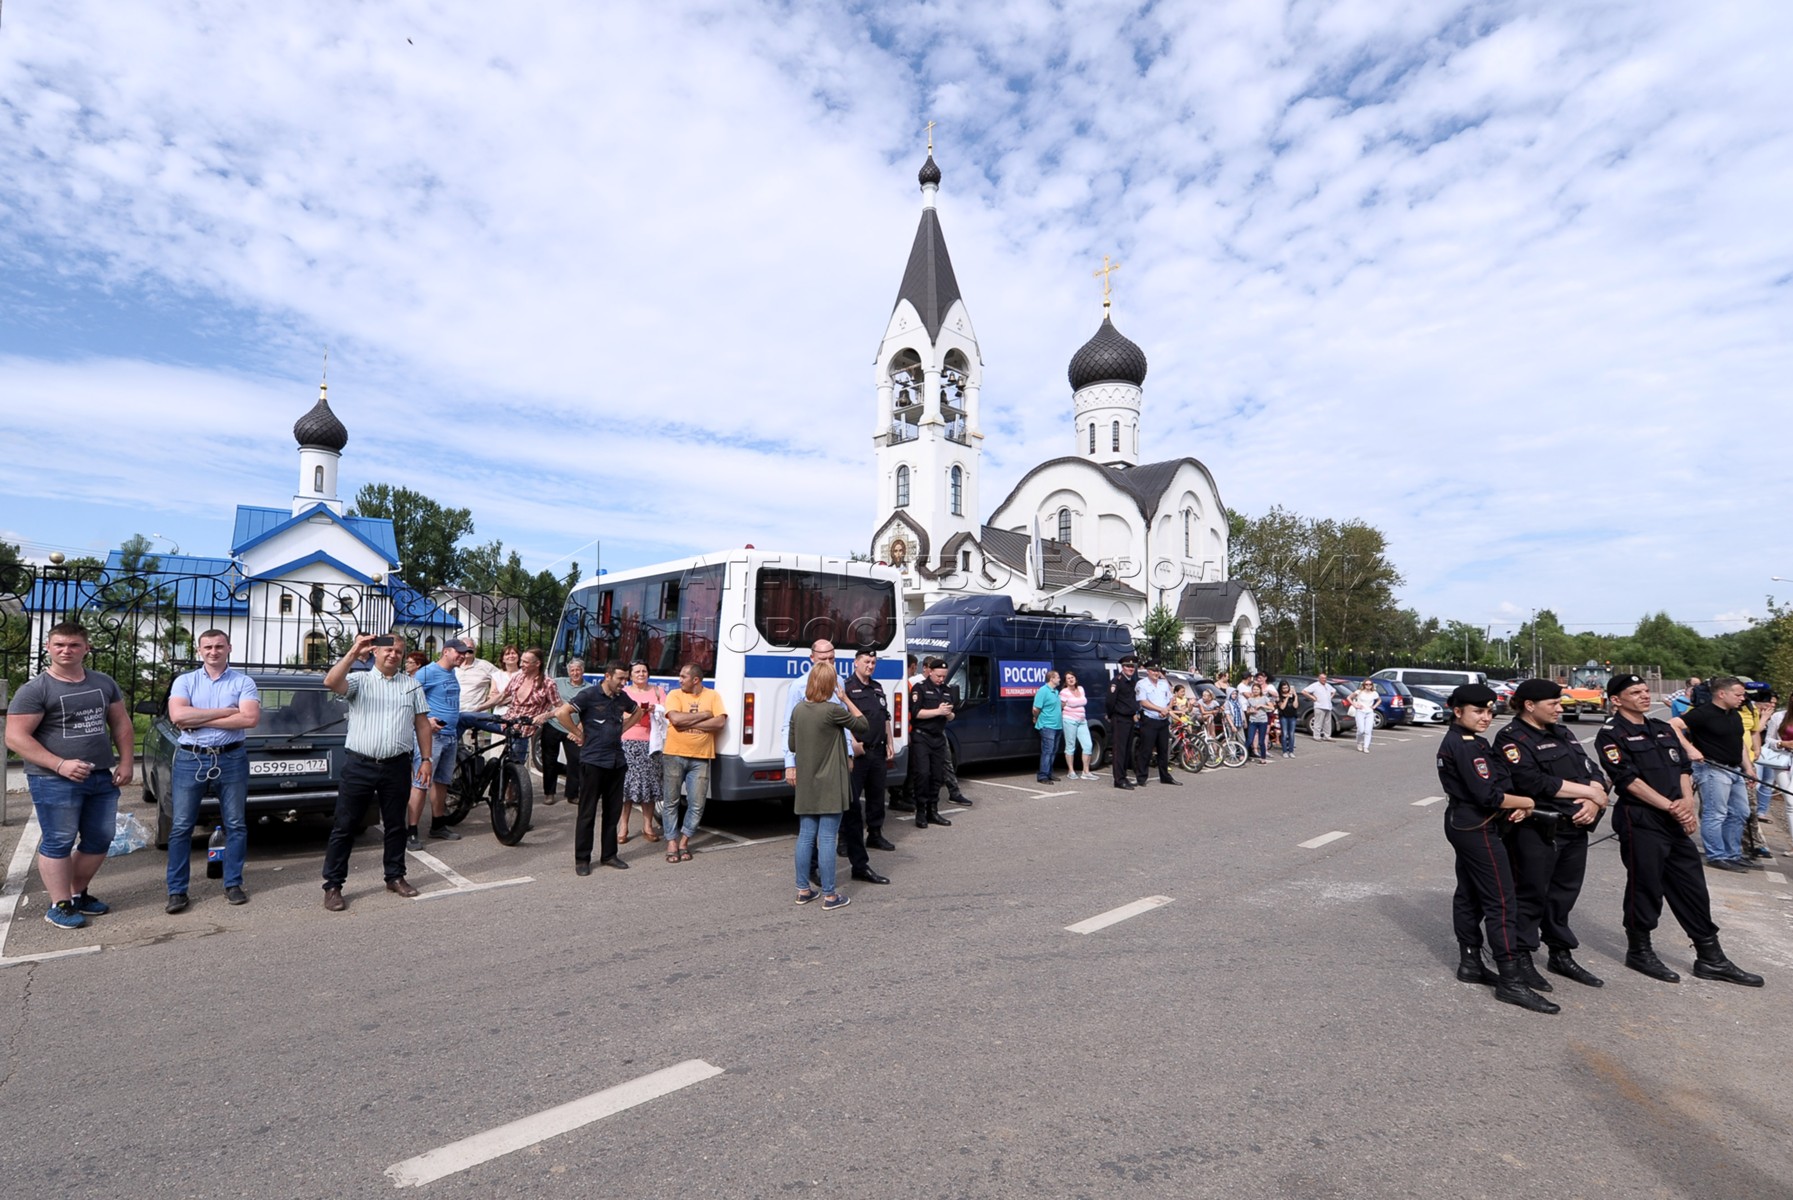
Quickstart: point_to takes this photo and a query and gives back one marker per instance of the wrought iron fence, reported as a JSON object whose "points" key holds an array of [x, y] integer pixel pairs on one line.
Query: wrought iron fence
{"points": [[144, 625]]}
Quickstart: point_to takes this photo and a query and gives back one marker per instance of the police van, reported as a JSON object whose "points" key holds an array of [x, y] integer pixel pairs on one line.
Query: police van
{"points": [[997, 658]]}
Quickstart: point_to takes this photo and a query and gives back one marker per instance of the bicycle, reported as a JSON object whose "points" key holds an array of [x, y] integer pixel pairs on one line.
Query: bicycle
{"points": [[1185, 745], [1223, 751], [500, 780]]}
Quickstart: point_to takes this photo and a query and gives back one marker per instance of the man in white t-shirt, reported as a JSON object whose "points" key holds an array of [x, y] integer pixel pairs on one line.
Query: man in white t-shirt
{"points": [[1320, 692]]}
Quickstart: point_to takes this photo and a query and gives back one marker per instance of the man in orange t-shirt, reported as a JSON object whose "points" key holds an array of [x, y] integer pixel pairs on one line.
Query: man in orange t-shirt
{"points": [[694, 716]]}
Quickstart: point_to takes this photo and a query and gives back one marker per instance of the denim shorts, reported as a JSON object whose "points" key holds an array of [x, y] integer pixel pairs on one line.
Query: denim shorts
{"points": [[442, 751], [67, 811]]}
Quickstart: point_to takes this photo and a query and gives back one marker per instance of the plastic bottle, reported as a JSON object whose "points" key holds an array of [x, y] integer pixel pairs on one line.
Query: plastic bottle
{"points": [[214, 853]]}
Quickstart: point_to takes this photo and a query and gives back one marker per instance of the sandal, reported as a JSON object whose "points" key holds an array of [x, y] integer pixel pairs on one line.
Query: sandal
{"points": [[672, 854], [622, 839], [684, 854]]}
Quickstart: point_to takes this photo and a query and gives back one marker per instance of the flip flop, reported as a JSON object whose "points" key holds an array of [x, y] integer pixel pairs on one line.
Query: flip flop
{"points": [[672, 855], [684, 854]]}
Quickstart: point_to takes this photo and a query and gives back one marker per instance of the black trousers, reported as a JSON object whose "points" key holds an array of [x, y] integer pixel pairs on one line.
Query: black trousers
{"points": [[1485, 873], [1661, 861], [385, 781], [1121, 736], [554, 744], [1153, 740], [1547, 874], [927, 768], [870, 771], [601, 786], [854, 822]]}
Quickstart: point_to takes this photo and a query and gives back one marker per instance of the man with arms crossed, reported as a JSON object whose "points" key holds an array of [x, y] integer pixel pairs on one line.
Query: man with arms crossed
{"points": [[213, 708], [694, 716], [64, 723], [388, 718], [1320, 692]]}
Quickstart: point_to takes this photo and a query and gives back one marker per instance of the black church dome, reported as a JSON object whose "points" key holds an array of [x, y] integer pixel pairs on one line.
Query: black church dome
{"points": [[929, 173], [319, 428], [1107, 358]]}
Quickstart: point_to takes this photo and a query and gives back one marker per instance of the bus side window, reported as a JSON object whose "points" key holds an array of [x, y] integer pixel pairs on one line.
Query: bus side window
{"points": [[972, 681]]}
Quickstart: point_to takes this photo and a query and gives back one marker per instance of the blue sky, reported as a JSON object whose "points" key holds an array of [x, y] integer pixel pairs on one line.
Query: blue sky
{"points": [[1508, 280]]}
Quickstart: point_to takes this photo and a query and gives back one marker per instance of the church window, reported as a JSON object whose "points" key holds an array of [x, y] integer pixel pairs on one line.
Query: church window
{"points": [[317, 479], [902, 487], [965, 560], [1117, 437], [1064, 525], [1188, 547], [958, 492], [286, 603], [316, 648], [1092, 437], [1136, 440]]}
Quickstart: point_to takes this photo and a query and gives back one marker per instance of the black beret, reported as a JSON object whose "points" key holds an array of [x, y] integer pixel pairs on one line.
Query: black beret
{"points": [[1619, 683], [1480, 695], [1537, 689]]}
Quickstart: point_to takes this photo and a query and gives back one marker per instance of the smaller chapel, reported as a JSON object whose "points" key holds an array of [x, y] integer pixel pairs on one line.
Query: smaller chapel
{"points": [[1094, 530]]}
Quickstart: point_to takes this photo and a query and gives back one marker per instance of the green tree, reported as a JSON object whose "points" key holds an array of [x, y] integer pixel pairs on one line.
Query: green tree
{"points": [[426, 532], [1325, 588], [1161, 638]]}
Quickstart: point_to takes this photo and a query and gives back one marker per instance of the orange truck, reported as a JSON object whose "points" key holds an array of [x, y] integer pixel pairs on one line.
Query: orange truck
{"points": [[1584, 689]]}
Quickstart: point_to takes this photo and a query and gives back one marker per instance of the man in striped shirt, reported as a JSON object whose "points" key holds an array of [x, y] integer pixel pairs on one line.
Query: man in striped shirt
{"points": [[388, 718]]}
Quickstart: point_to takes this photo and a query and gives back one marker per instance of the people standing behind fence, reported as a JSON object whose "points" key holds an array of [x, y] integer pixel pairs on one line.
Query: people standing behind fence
{"points": [[1288, 710], [1049, 722], [694, 717], [1320, 692], [1363, 713], [1075, 703], [1714, 730], [72, 728], [442, 690], [822, 776], [642, 783], [556, 745], [213, 708]]}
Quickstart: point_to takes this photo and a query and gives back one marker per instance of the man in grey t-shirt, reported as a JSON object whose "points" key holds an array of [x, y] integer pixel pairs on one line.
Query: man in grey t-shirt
{"points": [[65, 724]]}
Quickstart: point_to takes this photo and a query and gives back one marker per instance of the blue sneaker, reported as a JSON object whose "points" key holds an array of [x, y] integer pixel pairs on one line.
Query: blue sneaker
{"points": [[90, 905], [840, 900], [65, 916]]}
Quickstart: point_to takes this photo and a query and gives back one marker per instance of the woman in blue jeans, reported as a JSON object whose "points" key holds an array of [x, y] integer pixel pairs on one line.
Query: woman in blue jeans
{"points": [[822, 778], [1288, 707]]}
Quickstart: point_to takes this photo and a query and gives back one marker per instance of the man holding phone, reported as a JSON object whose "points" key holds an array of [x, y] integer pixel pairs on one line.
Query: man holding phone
{"points": [[388, 718]]}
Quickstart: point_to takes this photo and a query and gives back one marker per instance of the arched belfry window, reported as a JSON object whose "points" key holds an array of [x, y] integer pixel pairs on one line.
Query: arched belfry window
{"points": [[1092, 437], [1064, 525], [317, 479], [958, 491], [1117, 437], [902, 487]]}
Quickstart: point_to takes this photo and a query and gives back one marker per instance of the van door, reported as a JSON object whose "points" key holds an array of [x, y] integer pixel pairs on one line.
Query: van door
{"points": [[977, 726]]}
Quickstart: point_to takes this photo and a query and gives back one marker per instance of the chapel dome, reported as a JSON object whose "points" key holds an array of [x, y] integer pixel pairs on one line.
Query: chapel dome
{"points": [[929, 173], [1108, 357], [319, 428]]}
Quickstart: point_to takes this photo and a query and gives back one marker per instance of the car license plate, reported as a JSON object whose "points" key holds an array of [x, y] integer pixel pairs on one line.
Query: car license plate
{"points": [[290, 766]]}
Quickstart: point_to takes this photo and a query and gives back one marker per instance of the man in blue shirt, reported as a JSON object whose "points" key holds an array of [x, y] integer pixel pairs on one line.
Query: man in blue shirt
{"points": [[213, 709], [1154, 725], [442, 689]]}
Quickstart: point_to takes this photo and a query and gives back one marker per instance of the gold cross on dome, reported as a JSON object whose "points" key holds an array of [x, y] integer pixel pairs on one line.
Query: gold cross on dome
{"points": [[930, 138], [1108, 268]]}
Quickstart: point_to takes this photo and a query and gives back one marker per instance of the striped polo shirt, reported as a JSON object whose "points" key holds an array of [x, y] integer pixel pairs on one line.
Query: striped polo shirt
{"points": [[383, 712]]}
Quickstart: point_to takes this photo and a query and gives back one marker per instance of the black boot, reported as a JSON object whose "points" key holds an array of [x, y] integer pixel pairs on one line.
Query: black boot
{"points": [[1529, 973], [921, 816], [1512, 989], [1562, 962], [934, 817], [1642, 957], [1710, 963], [1471, 968], [960, 799], [898, 804]]}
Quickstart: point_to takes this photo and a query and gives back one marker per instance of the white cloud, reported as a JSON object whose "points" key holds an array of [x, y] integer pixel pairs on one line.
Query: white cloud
{"points": [[1501, 280]]}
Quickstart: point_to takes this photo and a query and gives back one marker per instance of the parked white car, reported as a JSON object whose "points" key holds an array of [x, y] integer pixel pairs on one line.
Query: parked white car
{"points": [[1429, 712]]}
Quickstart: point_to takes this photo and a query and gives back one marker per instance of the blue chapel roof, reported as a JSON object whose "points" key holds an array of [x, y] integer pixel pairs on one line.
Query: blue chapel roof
{"points": [[257, 523]]}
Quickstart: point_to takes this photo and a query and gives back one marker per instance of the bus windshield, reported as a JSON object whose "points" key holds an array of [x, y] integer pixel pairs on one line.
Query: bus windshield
{"points": [[793, 609]]}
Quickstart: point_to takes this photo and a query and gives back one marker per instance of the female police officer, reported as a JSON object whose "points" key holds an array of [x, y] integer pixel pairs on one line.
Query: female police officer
{"points": [[1475, 782]]}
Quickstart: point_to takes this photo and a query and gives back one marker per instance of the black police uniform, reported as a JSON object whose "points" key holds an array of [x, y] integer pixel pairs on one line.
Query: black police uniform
{"points": [[870, 769], [1547, 871], [1123, 716], [1661, 859], [1475, 781], [927, 752]]}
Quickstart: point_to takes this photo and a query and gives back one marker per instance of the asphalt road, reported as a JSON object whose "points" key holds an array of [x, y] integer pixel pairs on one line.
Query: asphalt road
{"points": [[1288, 1025]]}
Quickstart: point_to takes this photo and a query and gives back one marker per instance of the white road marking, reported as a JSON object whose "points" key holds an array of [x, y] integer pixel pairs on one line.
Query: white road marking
{"points": [[1775, 877], [733, 837], [1116, 915], [459, 882], [1323, 839], [14, 888], [738, 842], [1425, 800], [475, 887], [552, 1122], [441, 868], [1011, 787]]}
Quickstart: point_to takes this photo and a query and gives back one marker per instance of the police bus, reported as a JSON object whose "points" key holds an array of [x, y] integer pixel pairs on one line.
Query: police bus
{"points": [[747, 618]]}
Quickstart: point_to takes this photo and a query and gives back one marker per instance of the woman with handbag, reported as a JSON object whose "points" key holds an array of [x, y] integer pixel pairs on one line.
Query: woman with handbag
{"points": [[641, 777]]}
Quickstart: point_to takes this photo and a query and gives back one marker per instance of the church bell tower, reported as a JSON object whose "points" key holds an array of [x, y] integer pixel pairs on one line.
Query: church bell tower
{"points": [[926, 431]]}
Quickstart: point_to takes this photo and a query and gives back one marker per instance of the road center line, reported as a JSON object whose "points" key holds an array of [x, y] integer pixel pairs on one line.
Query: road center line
{"points": [[1323, 839], [552, 1122], [1425, 800], [1116, 915]]}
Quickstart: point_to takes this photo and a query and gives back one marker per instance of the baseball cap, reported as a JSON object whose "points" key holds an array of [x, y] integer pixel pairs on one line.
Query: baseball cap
{"points": [[1619, 683], [464, 647]]}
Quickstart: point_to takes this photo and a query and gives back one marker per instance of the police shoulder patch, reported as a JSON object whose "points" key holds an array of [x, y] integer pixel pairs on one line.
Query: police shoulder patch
{"points": [[1674, 755], [1612, 754], [1481, 767], [1512, 753]]}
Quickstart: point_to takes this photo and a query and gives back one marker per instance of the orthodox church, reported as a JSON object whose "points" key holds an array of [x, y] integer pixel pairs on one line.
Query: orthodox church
{"points": [[1094, 530]]}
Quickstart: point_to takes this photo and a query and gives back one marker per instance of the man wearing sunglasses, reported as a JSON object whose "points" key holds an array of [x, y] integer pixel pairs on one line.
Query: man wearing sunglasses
{"points": [[213, 708]]}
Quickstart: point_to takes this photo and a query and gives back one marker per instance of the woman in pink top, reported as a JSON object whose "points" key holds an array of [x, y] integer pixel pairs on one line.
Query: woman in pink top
{"points": [[1071, 695], [529, 696], [641, 777]]}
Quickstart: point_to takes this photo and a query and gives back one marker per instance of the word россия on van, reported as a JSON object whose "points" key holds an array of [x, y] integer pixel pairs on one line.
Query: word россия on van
{"points": [[998, 657]]}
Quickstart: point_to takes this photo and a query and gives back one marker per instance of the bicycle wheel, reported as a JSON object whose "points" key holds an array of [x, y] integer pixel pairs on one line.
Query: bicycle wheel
{"points": [[463, 789], [513, 800], [1210, 749], [1234, 753], [1188, 754]]}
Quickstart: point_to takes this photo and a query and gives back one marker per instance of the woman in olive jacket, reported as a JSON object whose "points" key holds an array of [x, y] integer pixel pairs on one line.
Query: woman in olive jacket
{"points": [[819, 730]]}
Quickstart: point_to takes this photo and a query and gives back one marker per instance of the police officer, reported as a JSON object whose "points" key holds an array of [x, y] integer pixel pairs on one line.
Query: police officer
{"points": [[871, 761], [1548, 764], [932, 706], [1481, 806], [1123, 720], [1655, 817]]}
